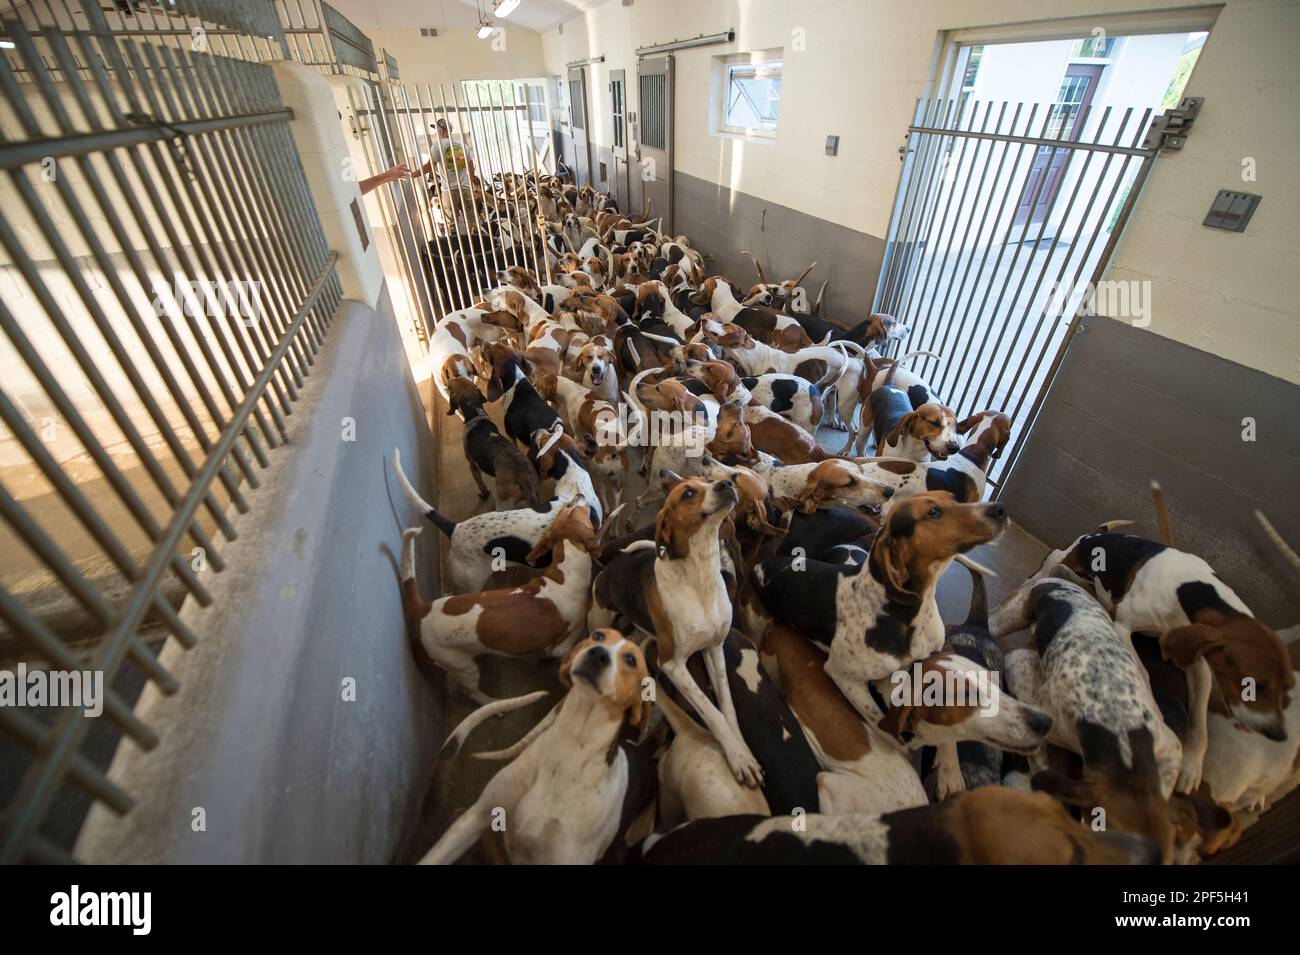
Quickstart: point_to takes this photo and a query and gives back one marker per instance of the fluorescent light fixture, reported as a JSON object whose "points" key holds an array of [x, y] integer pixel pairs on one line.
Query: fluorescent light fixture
{"points": [[506, 7], [484, 29], [6, 44]]}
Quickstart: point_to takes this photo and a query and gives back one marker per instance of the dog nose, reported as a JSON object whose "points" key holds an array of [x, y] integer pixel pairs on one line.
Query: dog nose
{"points": [[888, 493], [597, 658], [952, 447], [1039, 723], [995, 511]]}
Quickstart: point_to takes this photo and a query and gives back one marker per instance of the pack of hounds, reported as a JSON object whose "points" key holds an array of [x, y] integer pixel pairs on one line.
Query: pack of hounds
{"points": [[745, 622]]}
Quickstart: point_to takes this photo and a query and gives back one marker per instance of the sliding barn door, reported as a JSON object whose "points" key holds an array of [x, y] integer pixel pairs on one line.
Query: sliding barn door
{"points": [[655, 94], [579, 142]]}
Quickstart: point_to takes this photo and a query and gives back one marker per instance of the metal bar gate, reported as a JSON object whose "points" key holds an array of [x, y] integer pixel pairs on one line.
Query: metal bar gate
{"points": [[167, 289], [451, 232], [1005, 218]]}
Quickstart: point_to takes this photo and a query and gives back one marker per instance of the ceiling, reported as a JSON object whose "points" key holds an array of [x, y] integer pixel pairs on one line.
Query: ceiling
{"points": [[538, 15]]}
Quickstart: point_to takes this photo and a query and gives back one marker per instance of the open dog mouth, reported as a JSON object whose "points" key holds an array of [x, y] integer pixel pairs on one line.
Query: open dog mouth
{"points": [[935, 453], [871, 510], [597, 376]]}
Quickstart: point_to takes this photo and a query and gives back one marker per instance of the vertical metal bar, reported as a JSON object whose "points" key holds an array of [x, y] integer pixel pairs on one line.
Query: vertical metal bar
{"points": [[897, 243], [950, 368], [914, 252], [162, 171], [1015, 257], [480, 259], [521, 234], [1065, 218], [489, 185], [397, 242], [419, 200], [942, 237], [537, 186], [945, 320], [453, 241]]}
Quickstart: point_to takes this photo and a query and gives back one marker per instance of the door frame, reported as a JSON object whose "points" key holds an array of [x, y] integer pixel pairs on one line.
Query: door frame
{"points": [[662, 157], [579, 73], [619, 181]]}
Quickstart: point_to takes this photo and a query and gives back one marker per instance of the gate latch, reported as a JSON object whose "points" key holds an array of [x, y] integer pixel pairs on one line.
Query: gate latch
{"points": [[1169, 129]]}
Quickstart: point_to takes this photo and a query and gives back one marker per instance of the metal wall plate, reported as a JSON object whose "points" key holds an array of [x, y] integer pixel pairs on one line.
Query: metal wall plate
{"points": [[1232, 210], [832, 145]]}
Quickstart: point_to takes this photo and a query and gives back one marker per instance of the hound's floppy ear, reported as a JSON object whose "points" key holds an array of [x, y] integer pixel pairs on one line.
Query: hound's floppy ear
{"points": [[1062, 572], [669, 479], [967, 423], [900, 721], [566, 665], [1072, 792], [897, 573], [896, 432], [1183, 646], [543, 547]]}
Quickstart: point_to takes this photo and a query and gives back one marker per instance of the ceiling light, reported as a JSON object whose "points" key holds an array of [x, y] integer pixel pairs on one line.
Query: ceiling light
{"points": [[484, 28], [506, 7]]}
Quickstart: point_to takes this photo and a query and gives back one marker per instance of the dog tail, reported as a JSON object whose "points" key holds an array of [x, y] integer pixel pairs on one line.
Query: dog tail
{"points": [[678, 718], [1292, 557], [440, 521], [456, 738], [1162, 514], [889, 378], [408, 553], [978, 615]]}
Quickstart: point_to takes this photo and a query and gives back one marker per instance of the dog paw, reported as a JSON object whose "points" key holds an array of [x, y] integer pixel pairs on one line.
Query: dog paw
{"points": [[1189, 776], [745, 767]]}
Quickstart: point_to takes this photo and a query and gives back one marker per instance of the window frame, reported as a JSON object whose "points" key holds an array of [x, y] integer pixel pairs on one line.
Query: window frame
{"points": [[759, 64]]}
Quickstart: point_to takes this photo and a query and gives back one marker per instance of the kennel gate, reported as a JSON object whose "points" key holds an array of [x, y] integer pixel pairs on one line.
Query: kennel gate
{"points": [[168, 287], [999, 295], [445, 269]]}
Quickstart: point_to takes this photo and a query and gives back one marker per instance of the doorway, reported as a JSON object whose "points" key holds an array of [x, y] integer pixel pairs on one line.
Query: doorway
{"points": [[1018, 178]]}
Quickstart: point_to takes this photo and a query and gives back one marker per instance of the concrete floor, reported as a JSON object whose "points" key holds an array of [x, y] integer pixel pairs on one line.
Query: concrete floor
{"points": [[1013, 557]]}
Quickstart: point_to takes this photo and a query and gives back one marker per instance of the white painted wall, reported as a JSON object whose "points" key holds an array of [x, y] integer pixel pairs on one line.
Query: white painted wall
{"points": [[867, 61], [456, 55]]}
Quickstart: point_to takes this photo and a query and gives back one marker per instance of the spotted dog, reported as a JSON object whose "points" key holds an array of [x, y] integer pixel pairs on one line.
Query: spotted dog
{"points": [[876, 618], [990, 826], [477, 542], [1202, 625], [1083, 671]]}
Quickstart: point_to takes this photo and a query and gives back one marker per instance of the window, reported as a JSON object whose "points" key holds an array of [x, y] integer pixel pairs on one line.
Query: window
{"points": [[1093, 48], [752, 95]]}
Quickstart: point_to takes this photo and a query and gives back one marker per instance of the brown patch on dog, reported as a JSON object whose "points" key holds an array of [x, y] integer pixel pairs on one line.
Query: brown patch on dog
{"points": [[783, 438], [997, 826], [732, 435], [1237, 647], [922, 533], [991, 442], [901, 720], [926, 423], [814, 697], [719, 377]]}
